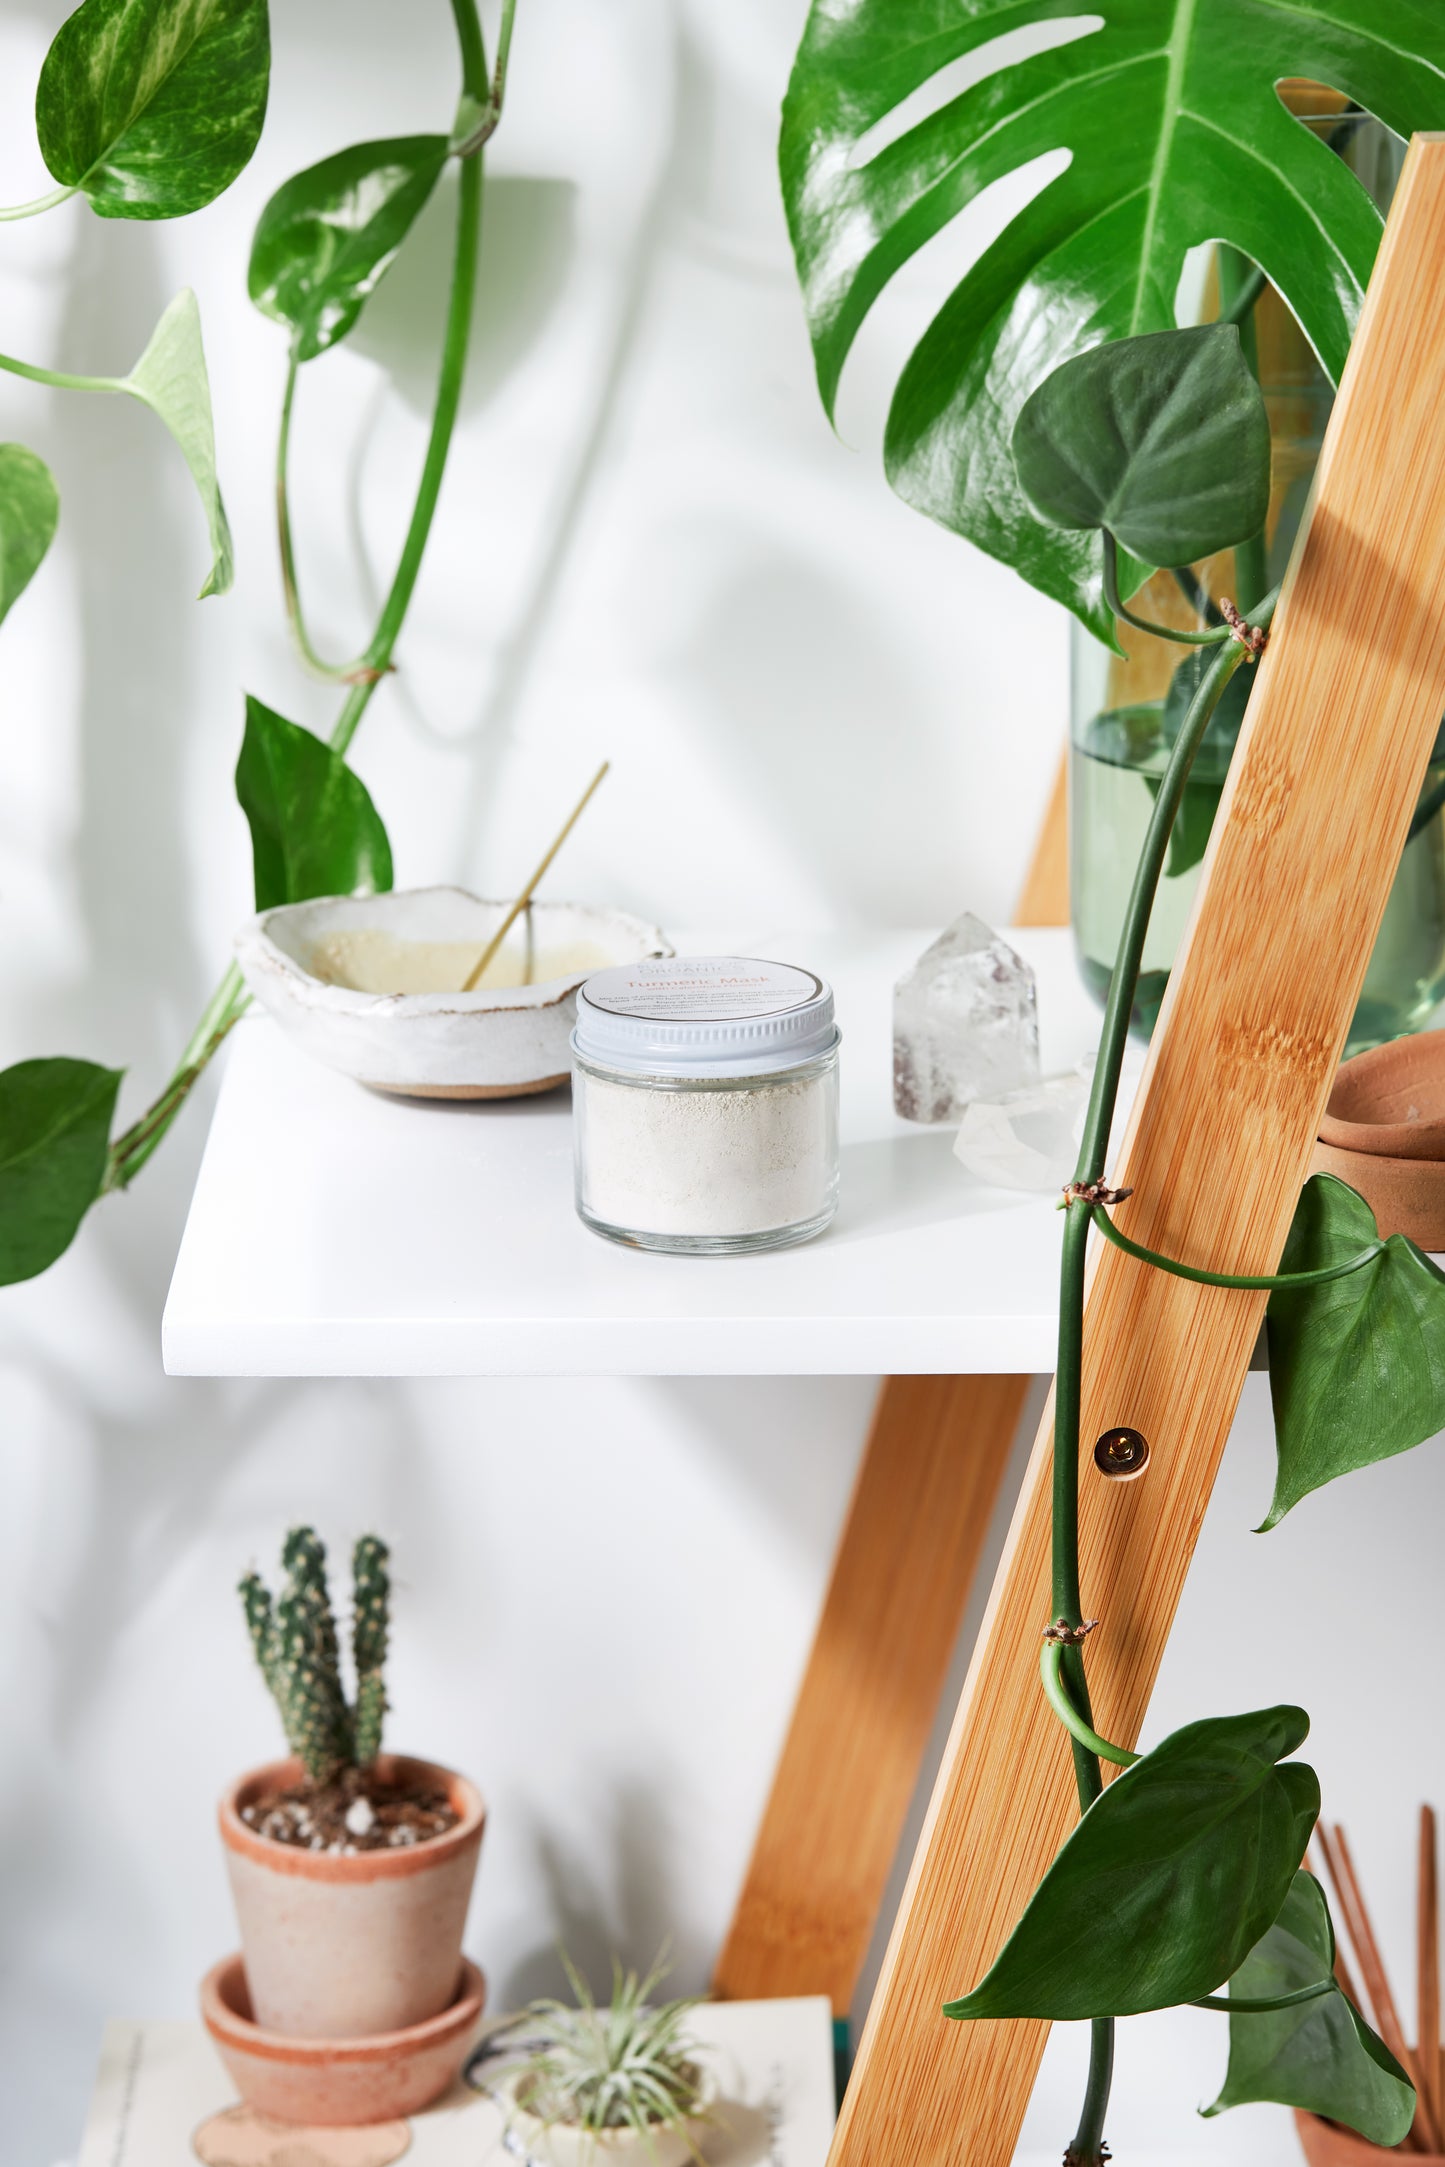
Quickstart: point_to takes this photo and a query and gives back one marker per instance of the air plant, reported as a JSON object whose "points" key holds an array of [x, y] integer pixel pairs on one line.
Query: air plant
{"points": [[627, 2066]]}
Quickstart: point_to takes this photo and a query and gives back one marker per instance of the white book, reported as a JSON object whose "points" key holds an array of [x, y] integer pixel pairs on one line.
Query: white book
{"points": [[162, 2099]]}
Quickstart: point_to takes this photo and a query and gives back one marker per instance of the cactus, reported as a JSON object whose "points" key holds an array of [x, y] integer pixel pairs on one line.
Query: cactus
{"points": [[298, 1651], [371, 1588]]}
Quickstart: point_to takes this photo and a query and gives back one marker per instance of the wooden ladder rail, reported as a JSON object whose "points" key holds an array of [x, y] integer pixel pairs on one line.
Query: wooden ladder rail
{"points": [[1313, 820]]}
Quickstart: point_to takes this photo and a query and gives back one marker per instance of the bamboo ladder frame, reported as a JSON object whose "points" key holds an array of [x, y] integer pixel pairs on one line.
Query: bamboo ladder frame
{"points": [[1320, 795]]}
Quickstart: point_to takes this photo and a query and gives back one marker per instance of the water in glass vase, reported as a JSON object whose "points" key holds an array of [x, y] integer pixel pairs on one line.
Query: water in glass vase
{"points": [[1118, 761]]}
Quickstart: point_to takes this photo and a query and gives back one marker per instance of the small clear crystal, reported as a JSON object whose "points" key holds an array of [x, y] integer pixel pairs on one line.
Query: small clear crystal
{"points": [[1027, 1139], [965, 1024]]}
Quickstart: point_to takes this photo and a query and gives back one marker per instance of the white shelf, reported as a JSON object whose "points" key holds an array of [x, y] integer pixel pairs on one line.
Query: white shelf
{"points": [[337, 1232]]}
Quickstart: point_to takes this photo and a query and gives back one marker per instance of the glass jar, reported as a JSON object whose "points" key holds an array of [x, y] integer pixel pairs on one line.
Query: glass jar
{"points": [[705, 1104], [1127, 709]]}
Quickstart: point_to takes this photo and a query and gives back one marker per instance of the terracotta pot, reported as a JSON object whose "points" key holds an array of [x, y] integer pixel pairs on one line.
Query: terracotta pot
{"points": [[1327, 2144], [563, 2144], [1384, 1133], [344, 1947], [339, 2082]]}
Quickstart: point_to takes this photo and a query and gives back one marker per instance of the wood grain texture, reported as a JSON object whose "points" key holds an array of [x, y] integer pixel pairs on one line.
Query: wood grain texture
{"points": [[1044, 897], [1313, 820], [921, 1506]]}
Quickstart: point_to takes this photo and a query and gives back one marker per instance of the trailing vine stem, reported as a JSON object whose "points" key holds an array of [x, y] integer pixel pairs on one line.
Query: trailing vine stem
{"points": [[1249, 1282], [1086, 2148], [337, 672], [1214, 637], [129, 1153]]}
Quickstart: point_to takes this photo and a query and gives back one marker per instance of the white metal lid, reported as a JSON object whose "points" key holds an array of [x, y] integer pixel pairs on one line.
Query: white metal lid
{"points": [[704, 1016]]}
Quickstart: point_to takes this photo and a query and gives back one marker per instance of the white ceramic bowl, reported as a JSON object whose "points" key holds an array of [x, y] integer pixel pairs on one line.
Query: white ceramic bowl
{"points": [[498, 1042]]}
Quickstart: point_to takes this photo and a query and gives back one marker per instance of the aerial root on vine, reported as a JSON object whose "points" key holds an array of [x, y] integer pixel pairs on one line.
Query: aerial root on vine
{"points": [[1091, 1192], [1250, 637], [1097, 2158], [365, 674], [1065, 1635]]}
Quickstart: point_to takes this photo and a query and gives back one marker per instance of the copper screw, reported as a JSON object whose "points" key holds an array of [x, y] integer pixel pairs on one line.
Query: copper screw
{"points": [[1122, 1453]]}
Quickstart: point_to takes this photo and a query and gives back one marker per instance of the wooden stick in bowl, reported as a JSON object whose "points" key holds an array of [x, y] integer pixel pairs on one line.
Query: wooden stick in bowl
{"points": [[473, 977], [1428, 1982]]}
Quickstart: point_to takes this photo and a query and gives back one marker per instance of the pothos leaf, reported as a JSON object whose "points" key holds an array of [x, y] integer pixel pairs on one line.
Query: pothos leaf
{"points": [[1320, 2055], [54, 1135], [314, 829], [1356, 1366], [152, 107], [1168, 1881], [1175, 136], [328, 236], [170, 378], [29, 509], [1161, 440]]}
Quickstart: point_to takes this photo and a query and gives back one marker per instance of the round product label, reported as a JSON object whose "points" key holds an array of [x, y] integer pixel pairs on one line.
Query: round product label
{"points": [[702, 989]]}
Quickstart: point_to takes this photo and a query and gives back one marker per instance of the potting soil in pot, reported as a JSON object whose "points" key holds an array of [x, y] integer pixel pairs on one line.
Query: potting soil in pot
{"points": [[357, 1812]]}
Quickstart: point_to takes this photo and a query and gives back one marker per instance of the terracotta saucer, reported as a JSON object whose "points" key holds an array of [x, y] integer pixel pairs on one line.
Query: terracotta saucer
{"points": [[1383, 1132], [339, 2081]]}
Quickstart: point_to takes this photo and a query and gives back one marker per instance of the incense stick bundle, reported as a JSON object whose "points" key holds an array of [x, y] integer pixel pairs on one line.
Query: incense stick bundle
{"points": [[1421, 2065]]}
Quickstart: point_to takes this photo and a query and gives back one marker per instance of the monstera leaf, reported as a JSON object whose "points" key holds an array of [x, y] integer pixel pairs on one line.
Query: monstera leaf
{"points": [[1168, 1881], [314, 829], [1175, 135], [328, 235], [151, 107], [29, 509], [1357, 1365], [1320, 2055]]}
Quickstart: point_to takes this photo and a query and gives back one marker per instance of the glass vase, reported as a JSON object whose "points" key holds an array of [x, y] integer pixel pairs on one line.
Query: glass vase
{"points": [[1127, 710]]}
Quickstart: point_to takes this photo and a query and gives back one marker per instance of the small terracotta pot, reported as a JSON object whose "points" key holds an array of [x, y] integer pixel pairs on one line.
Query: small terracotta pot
{"points": [[1384, 1133], [1328, 2144], [338, 2082], [344, 1946]]}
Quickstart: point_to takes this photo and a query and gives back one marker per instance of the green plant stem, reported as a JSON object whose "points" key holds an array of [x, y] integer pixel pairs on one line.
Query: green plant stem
{"points": [[289, 586], [36, 205], [230, 997], [59, 379], [1051, 1668], [1094, 1144], [1249, 1282], [1087, 2148], [1121, 609], [486, 110], [1247, 2005]]}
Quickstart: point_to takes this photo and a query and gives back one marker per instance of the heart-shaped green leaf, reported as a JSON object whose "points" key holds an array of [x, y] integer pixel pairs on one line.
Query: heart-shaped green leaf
{"points": [[170, 378], [1356, 1366], [1320, 2055], [1168, 1881], [29, 509], [1175, 136], [1163, 440], [328, 235], [152, 107], [314, 829], [54, 1135]]}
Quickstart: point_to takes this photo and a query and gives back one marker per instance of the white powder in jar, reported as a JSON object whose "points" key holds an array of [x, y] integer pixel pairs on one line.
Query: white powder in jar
{"points": [[742, 1158]]}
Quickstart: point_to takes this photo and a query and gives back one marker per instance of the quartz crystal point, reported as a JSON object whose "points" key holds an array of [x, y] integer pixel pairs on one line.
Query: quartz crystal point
{"points": [[1027, 1139], [965, 1024]]}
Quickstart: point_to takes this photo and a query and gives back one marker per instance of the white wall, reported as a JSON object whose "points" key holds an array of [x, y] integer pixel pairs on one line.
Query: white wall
{"points": [[822, 710]]}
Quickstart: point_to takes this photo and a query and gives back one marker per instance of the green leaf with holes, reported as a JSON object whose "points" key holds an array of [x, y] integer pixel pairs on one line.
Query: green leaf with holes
{"points": [[1161, 440], [170, 378], [328, 236], [314, 829], [29, 509], [1356, 1366], [150, 108], [1165, 130], [54, 1135], [1167, 1882], [1320, 2055]]}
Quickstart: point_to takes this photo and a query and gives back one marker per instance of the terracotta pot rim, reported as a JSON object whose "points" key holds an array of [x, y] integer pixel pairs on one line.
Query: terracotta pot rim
{"points": [[355, 1866], [1357, 2143], [1374, 1087], [228, 2027], [1431, 1171]]}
